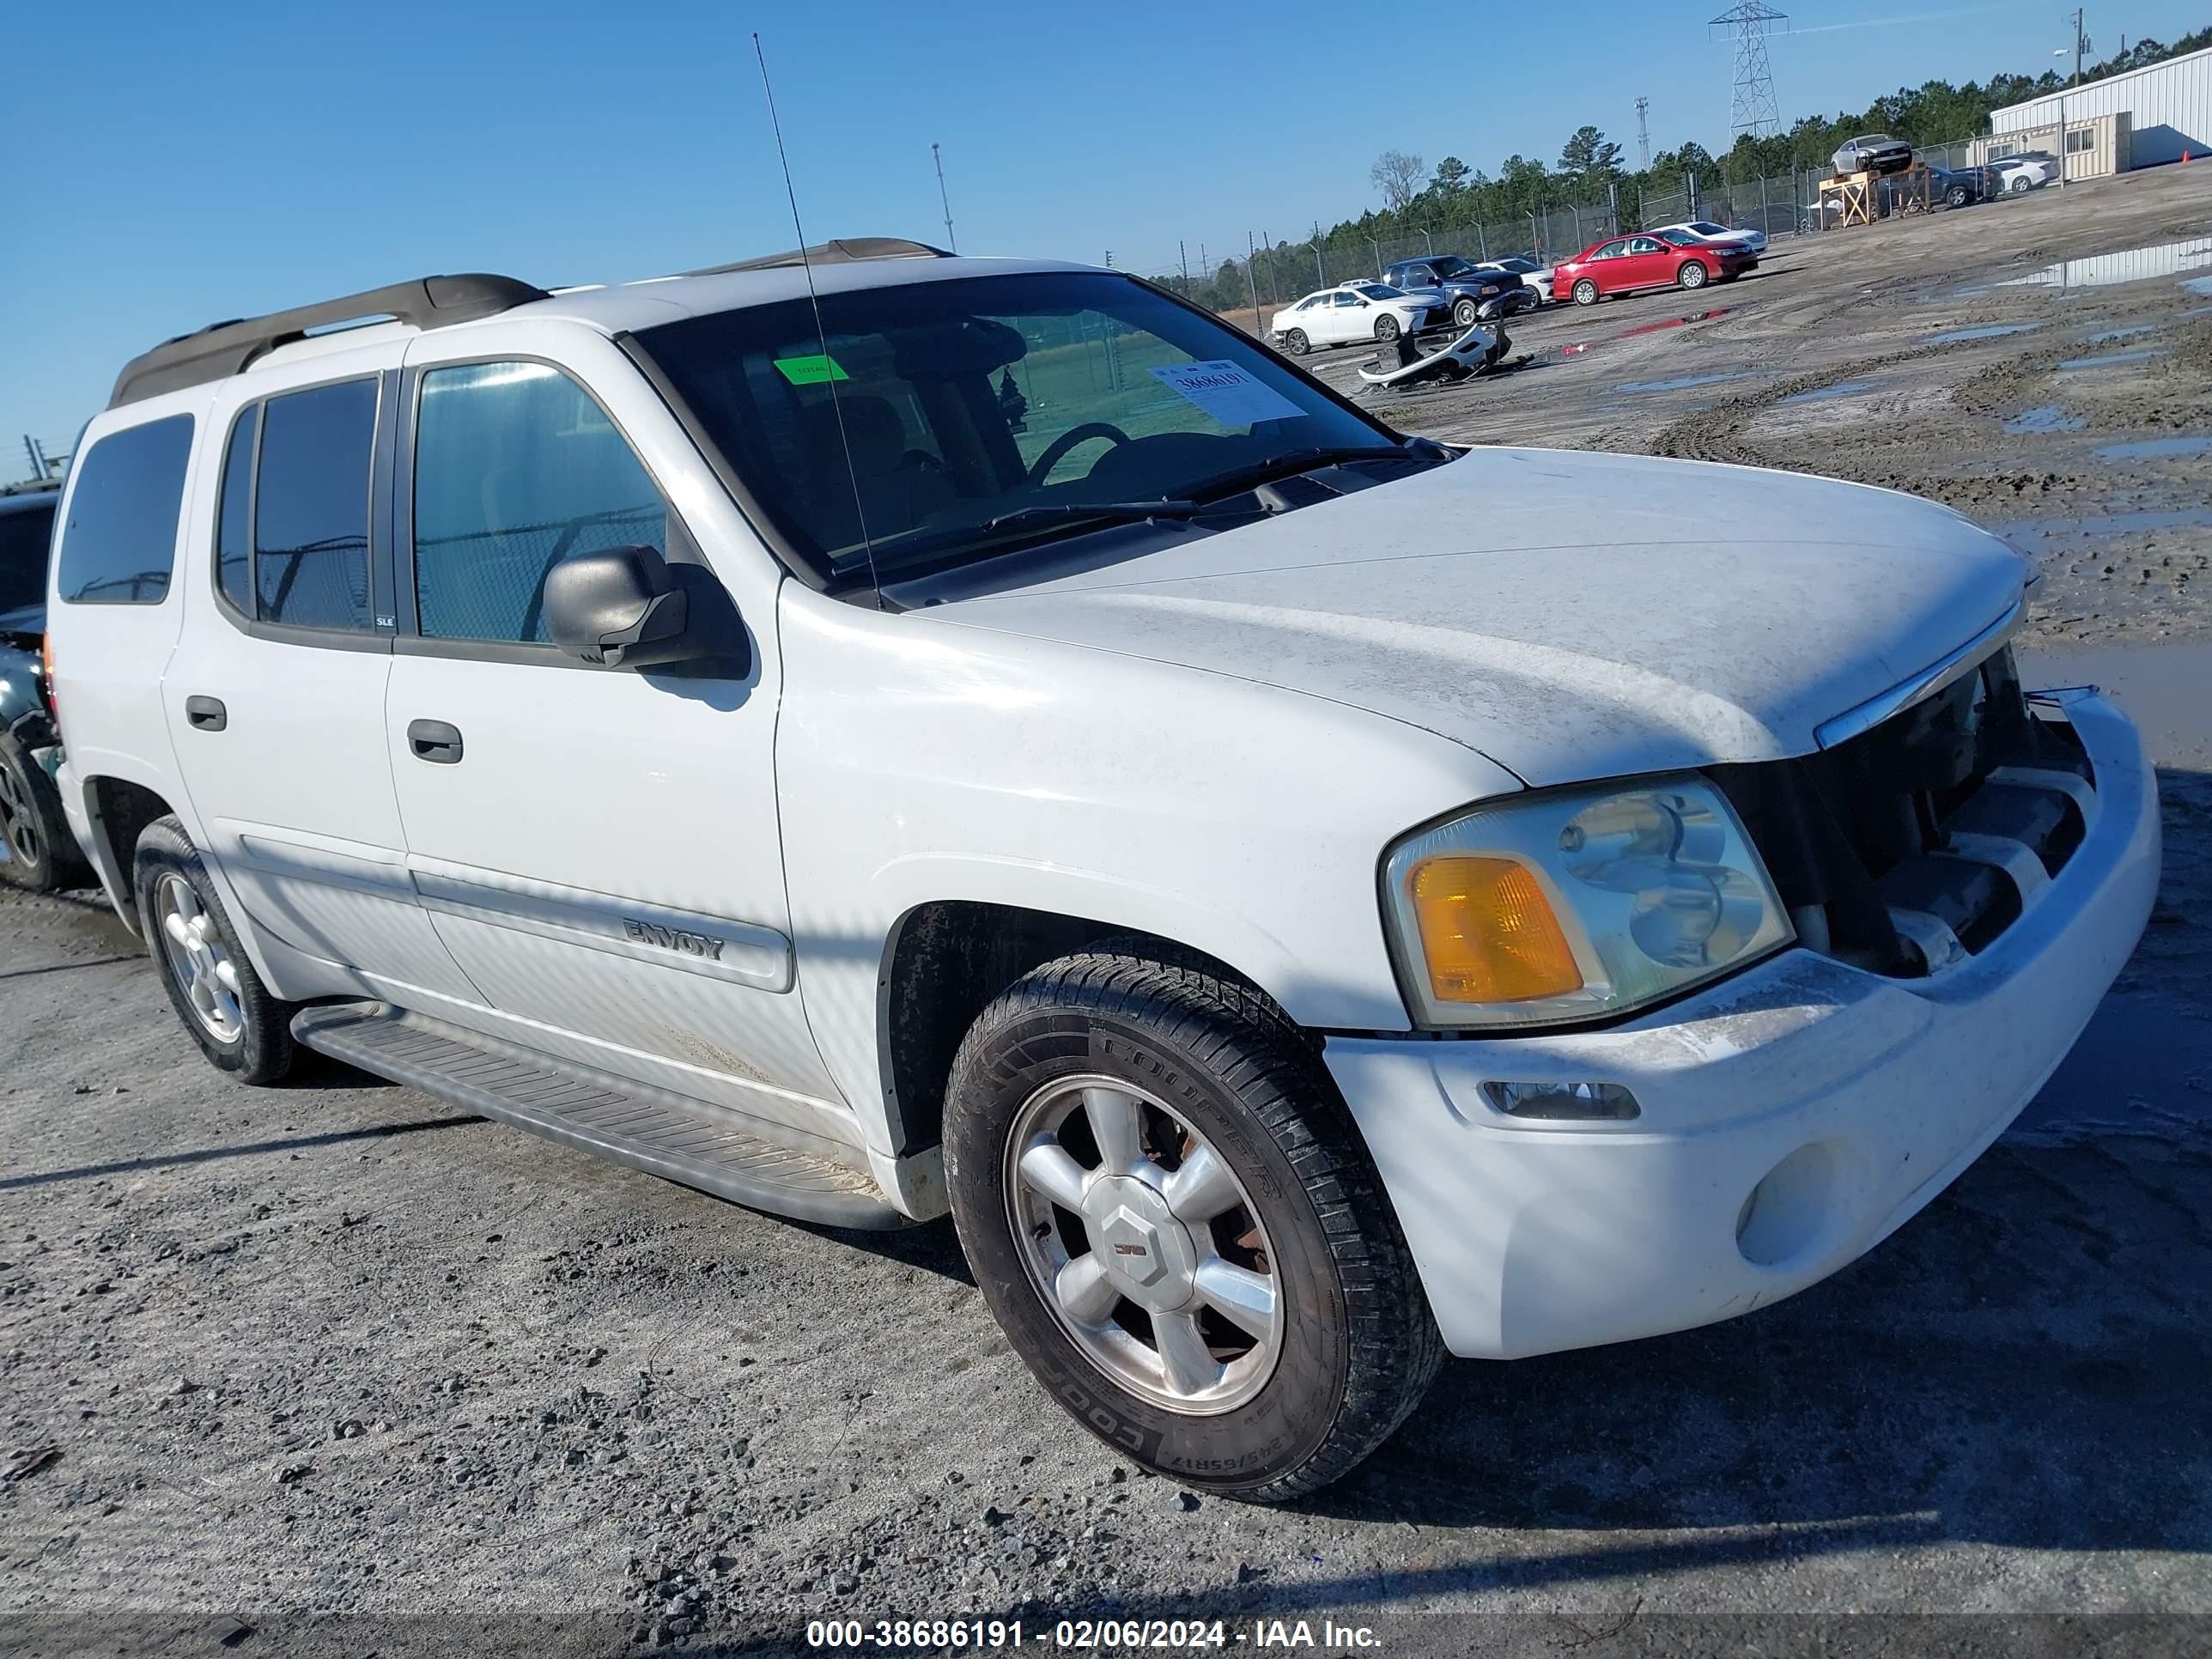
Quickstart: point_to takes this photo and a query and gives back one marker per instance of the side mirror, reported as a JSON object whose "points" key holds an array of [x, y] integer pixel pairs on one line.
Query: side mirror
{"points": [[620, 606]]}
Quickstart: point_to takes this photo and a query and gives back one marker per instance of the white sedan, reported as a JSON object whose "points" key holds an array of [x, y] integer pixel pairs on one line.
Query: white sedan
{"points": [[1354, 313], [1706, 231], [2029, 170]]}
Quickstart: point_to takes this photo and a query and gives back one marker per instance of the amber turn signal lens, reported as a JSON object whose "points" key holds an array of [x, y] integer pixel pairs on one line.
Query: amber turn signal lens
{"points": [[1487, 932]]}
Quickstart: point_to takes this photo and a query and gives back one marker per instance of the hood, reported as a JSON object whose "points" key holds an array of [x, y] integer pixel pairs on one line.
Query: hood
{"points": [[1570, 615], [29, 620]]}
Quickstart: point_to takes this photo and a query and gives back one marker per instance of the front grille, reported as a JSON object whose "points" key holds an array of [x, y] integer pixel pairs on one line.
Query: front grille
{"points": [[1916, 844]]}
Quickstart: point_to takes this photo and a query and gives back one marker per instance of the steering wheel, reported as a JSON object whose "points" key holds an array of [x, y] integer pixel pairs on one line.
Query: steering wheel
{"points": [[1057, 449]]}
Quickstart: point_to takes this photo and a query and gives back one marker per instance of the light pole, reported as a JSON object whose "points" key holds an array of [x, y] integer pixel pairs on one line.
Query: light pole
{"points": [[2080, 46]]}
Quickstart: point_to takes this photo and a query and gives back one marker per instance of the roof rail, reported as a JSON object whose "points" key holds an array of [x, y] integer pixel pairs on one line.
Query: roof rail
{"points": [[847, 250], [221, 350]]}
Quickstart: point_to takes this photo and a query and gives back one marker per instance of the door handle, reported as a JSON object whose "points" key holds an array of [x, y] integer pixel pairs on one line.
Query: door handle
{"points": [[206, 713], [434, 741]]}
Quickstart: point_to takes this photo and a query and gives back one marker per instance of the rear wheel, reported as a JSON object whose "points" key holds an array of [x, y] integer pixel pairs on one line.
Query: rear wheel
{"points": [[1692, 273], [239, 1027], [1385, 328], [1585, 292], [41, 853], [1174, 1220], [1956, 197], [2019, 186], [1295, 342]]}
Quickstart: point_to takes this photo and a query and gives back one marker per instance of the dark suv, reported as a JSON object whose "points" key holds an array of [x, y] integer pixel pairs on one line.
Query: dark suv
{"points": [[36, 848], [1473, 288]]}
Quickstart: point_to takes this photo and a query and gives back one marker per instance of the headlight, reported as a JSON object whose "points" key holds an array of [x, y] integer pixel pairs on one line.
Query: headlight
{"points": [[1576, 904]]}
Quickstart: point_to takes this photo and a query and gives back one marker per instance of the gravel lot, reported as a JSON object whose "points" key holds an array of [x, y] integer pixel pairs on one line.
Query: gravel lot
{"points": [[328, 1368]]}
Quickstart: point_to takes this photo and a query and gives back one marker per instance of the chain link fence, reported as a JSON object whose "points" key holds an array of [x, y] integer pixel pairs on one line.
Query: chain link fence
{"points": [[1267, 271]]}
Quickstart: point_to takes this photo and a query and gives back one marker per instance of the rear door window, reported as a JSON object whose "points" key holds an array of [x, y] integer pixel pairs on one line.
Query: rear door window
{"points": [[120, 544], [310, 507]]}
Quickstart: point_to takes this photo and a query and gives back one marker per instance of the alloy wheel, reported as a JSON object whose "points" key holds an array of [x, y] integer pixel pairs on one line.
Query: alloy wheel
{"points": [[198, 959], [1144, 1244], [19, 819]]}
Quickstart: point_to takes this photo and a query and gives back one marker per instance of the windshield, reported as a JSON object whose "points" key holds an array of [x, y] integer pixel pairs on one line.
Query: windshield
{"points": [[24, 536], [962, 402], [1377, 291], [1704, 229], [1450, 264]]}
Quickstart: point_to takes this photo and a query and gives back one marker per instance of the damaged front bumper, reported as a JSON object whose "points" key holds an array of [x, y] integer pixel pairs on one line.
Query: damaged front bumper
{"points": [[1791, 1117]]}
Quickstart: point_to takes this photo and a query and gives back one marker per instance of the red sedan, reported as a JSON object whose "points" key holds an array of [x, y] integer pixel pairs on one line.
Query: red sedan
{"points": [[1627, 262]]}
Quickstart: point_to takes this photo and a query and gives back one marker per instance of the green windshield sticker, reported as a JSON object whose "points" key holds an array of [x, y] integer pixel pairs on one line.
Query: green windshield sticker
{"points": [[811, 371]]}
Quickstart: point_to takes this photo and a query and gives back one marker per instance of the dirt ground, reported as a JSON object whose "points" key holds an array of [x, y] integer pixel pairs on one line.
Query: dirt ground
{"points": [[330, 1368]]}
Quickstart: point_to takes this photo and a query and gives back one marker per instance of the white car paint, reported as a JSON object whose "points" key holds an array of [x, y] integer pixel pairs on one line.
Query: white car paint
{"points": [[1215, 744], [1706, 231], [2021, 173], [1347, 314]]}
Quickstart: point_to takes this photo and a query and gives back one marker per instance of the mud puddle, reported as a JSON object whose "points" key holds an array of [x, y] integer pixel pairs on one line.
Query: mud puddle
{"points": [[2134, 264], [2156, 449], [1683, 382], [1821, 394], [1985, 331], [2046, 417], [2114, 359], [2029, 536]]}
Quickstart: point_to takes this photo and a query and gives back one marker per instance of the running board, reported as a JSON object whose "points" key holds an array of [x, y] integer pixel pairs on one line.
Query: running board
{"points": [[660, 1133]]}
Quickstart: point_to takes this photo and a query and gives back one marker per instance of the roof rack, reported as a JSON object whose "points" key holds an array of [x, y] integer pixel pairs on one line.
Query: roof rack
{"points": [[221, 350], [847, 251]]}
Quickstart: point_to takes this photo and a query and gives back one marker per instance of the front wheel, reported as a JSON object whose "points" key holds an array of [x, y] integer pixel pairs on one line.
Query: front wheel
{"points": [[1956, 197], [1385, 328], [1464, 312], [1692, 273], [211, 983], [1585, 292], [1295, 342], [1173, 1218], [2020, 186]]}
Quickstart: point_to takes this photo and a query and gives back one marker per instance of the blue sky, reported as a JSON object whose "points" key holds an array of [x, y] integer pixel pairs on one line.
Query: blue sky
{"points": [[195, 163]]}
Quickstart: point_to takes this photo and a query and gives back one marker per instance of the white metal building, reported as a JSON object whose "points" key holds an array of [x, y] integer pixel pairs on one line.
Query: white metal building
{"points": [[2168, 108]]}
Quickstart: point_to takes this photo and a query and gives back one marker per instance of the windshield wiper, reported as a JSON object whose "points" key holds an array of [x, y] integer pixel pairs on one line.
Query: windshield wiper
{"points": [[1101, 514], [1296, 461], [1105, 512]]}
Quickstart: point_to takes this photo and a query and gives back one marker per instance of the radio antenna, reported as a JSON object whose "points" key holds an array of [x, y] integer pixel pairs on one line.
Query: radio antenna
{"points": [[829, 370]]}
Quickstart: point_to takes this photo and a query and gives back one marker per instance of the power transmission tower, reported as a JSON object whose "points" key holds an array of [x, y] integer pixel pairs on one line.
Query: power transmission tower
{"points": [[1644, 134], [1754, 110]]}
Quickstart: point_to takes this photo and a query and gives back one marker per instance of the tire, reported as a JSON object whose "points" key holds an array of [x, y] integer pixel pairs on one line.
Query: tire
{"points": [[1584, 292], [250, 1035], [1295, 342], [1956, 197], [42, 853], [1693, 274], [1385, 328], [1464, 312], [1189, 1065], [2020, 186]]}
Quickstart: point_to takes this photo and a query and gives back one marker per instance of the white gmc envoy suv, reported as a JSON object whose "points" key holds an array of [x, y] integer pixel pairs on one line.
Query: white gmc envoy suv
{"points": [[892, 733]]}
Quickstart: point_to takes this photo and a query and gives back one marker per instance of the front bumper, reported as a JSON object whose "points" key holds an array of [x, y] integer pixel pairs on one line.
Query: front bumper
{"points": [[1863, 1096]]}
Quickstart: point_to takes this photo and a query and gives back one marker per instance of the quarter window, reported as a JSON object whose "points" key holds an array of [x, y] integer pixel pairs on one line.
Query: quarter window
{"points": [[234, 556], [310, 507], [516, 469], [120, 542]]}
